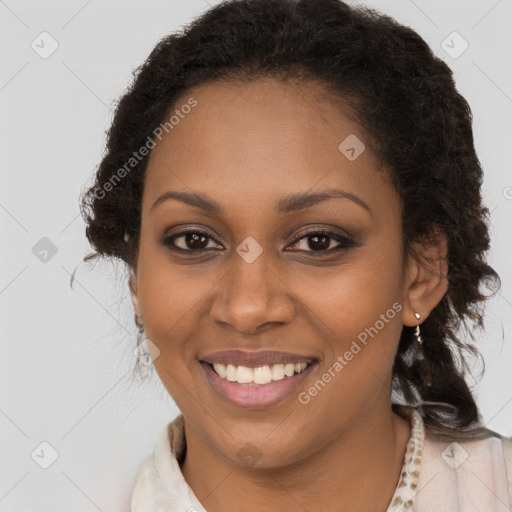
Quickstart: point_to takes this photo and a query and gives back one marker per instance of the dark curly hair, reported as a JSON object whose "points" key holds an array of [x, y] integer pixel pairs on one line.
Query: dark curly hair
{"points": [[415, 122]]}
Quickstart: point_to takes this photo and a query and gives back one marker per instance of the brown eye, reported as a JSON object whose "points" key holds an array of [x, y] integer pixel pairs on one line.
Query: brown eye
{"points": [[189, 241], [320, 241]]}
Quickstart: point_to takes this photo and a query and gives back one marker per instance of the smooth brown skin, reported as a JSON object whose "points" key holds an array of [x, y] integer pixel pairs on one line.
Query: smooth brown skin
{"points": [[247, 146]]}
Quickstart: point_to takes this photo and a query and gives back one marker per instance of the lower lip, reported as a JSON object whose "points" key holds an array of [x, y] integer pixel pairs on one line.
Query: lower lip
{"points": [[263, 395]]}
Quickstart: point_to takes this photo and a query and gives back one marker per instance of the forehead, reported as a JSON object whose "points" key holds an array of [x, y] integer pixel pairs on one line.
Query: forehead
{"points": [[249, 140]]}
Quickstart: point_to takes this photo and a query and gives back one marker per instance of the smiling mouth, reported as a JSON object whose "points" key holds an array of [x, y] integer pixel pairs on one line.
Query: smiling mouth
{"points": [[258, 376]]}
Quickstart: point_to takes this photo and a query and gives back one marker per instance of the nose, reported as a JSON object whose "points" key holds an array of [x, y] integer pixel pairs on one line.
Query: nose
{"points": [[253, 295]]}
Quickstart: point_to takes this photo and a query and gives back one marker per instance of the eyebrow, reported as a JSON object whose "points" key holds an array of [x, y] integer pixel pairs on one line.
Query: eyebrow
{"points": [[290, 203]]}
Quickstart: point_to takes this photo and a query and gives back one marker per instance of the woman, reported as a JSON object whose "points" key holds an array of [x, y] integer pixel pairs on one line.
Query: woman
{"points": [[294, 189]]}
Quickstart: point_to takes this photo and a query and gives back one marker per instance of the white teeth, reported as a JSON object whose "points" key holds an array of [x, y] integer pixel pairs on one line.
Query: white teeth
{"points": [[277, 371], [244, 375], [262, 375], [220, 369], [259, 375], [289, 369], [231, 372]]}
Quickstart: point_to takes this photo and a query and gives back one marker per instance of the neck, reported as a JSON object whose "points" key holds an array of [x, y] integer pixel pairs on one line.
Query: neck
{"points": [[358, 469]]}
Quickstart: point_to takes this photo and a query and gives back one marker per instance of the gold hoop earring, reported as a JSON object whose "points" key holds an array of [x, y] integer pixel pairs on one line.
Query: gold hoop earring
{"points": [[417, 330]]}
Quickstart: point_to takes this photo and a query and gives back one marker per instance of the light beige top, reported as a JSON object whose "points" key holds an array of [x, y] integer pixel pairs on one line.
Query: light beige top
{"points": [[464, 476]]}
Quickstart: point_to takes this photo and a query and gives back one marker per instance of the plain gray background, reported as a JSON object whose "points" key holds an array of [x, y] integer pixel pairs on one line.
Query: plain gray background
{"points": [[66, 355]]}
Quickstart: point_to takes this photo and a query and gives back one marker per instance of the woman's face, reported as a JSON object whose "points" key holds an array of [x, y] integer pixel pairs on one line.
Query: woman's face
{"points": [[238, 266]]}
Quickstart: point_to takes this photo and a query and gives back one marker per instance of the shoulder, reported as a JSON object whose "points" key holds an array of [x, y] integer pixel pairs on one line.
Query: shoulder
{"points": [[473, 471], [159, 481], [507, 453], [148, 489]]}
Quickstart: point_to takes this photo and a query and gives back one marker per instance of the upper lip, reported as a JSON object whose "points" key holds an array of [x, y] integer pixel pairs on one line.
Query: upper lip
{"points": [[254, 359]]}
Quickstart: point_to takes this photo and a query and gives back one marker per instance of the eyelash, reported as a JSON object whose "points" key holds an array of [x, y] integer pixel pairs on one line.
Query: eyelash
{"points": [[345, 242]]}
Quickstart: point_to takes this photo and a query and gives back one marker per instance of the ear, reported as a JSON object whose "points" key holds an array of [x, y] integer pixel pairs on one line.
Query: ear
{"points": [[426, 279], [132, 284]]}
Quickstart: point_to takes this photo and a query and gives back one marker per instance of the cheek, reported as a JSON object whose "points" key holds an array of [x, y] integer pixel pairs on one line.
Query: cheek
{"points": [[171, 295], [353, 296], [167, 304], [359, 320], [356, 309]]}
